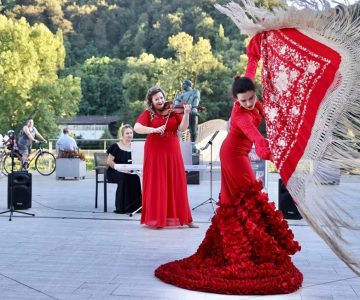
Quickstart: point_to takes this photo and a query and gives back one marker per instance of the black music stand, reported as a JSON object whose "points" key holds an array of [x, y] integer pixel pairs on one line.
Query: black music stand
{"points": [[211, 200], [12, 208]]}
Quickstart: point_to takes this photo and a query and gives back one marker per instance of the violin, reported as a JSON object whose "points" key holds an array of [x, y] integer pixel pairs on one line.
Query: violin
{"points": [[170, 107]]}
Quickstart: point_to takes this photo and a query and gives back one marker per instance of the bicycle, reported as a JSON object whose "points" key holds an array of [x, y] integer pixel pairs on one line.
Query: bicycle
{"points": [[45, 162], [7, 144]]}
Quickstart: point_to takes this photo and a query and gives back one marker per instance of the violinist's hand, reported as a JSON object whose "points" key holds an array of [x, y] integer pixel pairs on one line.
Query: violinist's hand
{"points": [[187, 108], [160, 129]]}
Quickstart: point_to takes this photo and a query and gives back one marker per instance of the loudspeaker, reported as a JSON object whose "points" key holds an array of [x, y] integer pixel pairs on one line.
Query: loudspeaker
{"points": [[193, 177], [286, 203], [19, 187]]}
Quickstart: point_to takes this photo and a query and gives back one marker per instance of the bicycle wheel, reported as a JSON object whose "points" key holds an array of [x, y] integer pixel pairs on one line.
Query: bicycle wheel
{"points": [[11, 164], [45, 163]]}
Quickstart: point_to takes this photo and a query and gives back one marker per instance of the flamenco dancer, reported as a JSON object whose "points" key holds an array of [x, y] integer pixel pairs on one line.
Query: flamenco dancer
{"points": [[246, 249], [308, 72]]}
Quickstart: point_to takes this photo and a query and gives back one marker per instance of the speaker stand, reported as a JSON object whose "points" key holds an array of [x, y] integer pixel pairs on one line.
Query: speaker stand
{"points": [[12, 208]]}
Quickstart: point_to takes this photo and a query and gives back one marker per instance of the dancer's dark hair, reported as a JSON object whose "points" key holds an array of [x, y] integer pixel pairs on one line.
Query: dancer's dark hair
{"points": [[242, 85]]}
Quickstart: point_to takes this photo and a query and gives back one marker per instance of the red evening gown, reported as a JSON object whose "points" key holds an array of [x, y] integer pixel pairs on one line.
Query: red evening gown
{"points": [[247, 248], [165, 200]]}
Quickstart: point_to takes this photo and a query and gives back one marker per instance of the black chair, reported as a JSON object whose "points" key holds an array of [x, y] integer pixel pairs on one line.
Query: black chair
{"points": [[100, 166]]}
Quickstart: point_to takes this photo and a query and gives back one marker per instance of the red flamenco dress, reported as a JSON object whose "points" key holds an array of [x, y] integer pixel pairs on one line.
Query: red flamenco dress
{"points": [[165, 201], [310, 76], [247, 248]]}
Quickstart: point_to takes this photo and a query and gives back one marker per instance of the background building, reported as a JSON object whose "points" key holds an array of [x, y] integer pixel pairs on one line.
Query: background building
{"points": [[88, 127]]}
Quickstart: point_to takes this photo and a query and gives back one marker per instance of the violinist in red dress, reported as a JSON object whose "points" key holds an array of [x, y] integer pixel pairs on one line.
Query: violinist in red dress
{"points": [[165, 200]]}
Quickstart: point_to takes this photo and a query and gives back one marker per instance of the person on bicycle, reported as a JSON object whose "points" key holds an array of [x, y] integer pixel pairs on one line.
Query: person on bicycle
{"points": [[27, 136]]}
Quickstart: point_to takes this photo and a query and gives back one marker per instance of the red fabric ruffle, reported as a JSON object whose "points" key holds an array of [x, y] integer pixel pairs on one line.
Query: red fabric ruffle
{"points": [[245, 251]]}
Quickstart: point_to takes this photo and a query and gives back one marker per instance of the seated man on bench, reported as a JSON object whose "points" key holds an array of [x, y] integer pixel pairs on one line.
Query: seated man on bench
{"points": [[66, 146]]}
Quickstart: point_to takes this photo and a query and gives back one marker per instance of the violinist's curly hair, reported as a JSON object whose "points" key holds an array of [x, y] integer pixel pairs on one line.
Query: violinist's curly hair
{"points": [[148, 100]]}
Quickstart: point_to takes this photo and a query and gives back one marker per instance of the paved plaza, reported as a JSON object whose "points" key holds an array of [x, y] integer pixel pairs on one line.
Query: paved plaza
{"points": [[70, 250]]}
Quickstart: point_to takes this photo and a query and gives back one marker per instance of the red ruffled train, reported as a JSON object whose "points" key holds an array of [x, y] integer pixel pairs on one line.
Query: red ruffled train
{"points": [[245, 251]]}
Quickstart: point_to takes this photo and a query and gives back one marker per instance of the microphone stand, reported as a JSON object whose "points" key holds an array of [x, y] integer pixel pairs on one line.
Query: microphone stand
{"points": [[12, 208], [210, 200]]}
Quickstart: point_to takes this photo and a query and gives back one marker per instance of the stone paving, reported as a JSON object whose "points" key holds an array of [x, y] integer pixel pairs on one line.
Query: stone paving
{"points": [[70, 250]]}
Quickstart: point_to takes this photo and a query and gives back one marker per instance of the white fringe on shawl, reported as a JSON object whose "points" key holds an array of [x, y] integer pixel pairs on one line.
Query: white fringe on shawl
{"points": [[331, 209]]}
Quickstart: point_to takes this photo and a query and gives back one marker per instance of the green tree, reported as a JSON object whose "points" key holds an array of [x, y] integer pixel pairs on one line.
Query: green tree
{"points": [[119, 51], [54, 99], [192, 59], [141, 73], [30, 57], [101, 86]]}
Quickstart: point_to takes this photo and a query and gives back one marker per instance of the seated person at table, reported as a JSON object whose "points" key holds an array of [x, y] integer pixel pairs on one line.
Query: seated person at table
{"points": [[128, 192]]}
